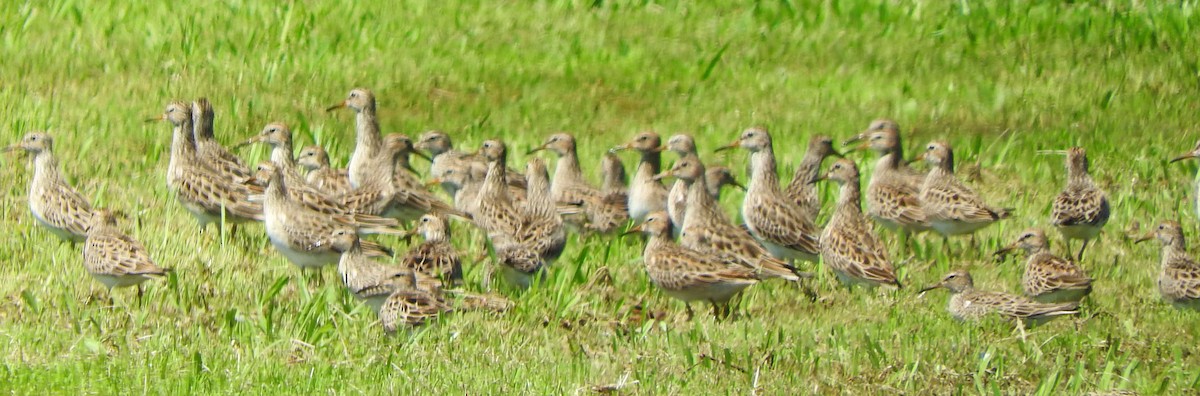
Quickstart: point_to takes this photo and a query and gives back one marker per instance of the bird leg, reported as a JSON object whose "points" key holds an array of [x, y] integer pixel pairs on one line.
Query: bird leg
{"points": [[690, 313], [1085, 243]]}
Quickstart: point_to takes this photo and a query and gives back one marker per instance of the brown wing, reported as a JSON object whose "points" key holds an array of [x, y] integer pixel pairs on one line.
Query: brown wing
{"points": [[1080, 206], [957, 202], [70, 211], [1054, 273], [119, 254], [205, 191], [896, 202], [434, 258], [783, 224], [860, 256]]}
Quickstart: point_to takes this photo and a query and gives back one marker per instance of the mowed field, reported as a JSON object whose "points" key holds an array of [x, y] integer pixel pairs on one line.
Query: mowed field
{"points": [[998, 81]]}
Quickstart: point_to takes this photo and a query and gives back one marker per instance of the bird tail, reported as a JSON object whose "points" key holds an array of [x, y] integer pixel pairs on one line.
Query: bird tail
{"points": [[770, 267]]}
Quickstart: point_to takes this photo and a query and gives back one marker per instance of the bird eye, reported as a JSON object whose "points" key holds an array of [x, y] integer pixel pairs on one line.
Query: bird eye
{"points": [[641, 138]]}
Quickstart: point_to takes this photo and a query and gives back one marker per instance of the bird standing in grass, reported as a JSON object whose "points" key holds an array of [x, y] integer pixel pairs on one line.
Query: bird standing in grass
{"points": [[689, 275], [784, 228], [646, 195], [1081, 209], [114, 258], [1179, 275], [1048, 278], [970, 304], [849, 245], [952, 207], [55, 204]]}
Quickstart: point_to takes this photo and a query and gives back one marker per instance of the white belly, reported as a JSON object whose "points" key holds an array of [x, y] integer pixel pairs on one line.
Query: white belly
{"points": [[719, 293], [120, 281], [951, 227], [1080, 231]]}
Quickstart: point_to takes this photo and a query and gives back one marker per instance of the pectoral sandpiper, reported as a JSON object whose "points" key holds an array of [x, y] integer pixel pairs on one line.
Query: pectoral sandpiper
{"points": [[1179, 275], [54, 203]]}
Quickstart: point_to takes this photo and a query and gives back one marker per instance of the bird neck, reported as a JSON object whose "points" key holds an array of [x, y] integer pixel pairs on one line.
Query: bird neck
{"points": [[810, 167], [657, 242], [494, 184], [45, 168], [891, 160], [351, 262], [649, 165], [367, 139], [762, 169], [848, 203], [566, 173], [1174, 252], [1079, 178], [436, 235], [183, 142], [281, 155], [699, 199]]}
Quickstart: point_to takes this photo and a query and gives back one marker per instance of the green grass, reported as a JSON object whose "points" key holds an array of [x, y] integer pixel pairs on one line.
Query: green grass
{"points": [[997, 80]]}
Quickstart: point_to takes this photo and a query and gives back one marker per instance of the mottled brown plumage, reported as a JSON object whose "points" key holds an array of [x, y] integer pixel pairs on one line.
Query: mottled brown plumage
{"points": [[849, 245], [55, 205], [1048, 278], [1179, 275], [784, 228], [1081, 209], [687, 274], [969, 304]]}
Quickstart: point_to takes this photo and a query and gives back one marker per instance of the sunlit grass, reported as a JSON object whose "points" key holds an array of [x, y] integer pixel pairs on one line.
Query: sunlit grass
{"points": [[997, 80]]}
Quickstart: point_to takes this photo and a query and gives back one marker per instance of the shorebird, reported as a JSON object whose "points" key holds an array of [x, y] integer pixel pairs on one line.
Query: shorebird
{"points": [[687, 274], [952, 207], [970, 304], [1179, 276], [55, 205], [849, 246], [716, 178], [707, 229], [525, 240], [379, 195], [776, 221], [369, 281], [404, 179], [646, 195], [302, 234], [613, 179], [401, 147], [369, 152], [114, 258], [435, 256], [279, 137], [604, 213], [441, 154], [544, 231], [411, 306], [321, 175], [801, 190], [1081, 209], [685, 146], [209, 150], [1195, 153], [208, 196], [893, 193], [1048, 278]]}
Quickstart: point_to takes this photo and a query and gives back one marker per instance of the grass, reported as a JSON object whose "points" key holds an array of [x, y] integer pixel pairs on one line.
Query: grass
{"points": [[998, 80]]}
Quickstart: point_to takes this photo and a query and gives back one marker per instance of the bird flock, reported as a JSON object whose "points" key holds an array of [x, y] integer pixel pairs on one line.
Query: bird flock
{"points": [[316, 215]]}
